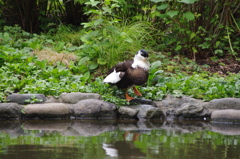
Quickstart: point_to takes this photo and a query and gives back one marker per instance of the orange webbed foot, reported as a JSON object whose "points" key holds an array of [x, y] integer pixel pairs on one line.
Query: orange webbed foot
{"points": [[128, 98], [136, 92]]}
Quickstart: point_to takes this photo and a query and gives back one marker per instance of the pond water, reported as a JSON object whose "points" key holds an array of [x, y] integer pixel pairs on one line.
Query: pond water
{"points": [[106, 139]]}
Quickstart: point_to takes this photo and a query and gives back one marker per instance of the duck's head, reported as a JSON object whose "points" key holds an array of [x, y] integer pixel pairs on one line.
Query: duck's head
{"points": [[142, 54], [141, 60]]}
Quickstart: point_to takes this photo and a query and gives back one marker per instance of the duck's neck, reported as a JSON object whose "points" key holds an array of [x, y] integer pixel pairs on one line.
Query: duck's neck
{"points": [[138, 62]]}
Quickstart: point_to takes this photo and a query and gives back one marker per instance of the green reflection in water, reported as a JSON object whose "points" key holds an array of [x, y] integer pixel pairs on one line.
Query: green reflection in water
{"points": [[155, 143]]}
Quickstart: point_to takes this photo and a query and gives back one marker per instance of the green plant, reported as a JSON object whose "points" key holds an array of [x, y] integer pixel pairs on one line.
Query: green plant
{"points": [[107, 41], [33, 100]]}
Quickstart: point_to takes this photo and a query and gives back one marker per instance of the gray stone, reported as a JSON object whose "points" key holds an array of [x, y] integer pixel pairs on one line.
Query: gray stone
{"points": [[172, 102], [148, 112], [94, 108], [127, 112], [10, 110], [52, 99], [227, 115], [141, 101], [224, 103], [46, 110], [75, 97], [23, 98], [189, 111]]}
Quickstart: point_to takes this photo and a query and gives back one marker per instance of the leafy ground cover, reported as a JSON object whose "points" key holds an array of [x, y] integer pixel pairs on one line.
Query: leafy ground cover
{"points": [[75, 69]]}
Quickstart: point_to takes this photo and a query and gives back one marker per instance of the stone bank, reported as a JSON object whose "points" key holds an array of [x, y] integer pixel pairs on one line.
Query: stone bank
{"points": [[79, 105]]}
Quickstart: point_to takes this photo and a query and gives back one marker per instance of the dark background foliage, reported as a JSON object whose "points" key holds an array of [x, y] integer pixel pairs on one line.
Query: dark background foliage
{"points": [[194, 28]]}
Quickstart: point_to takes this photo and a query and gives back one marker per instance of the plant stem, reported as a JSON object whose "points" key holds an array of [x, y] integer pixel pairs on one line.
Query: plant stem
{"points": [[229, 40]]}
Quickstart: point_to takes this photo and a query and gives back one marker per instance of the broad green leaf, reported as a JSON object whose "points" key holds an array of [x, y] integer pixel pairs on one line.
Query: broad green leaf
{"points": [[72, 48], [162, 7], [89, 35], [170, 68], [218, 51], [194, 50], [237, 85], [177, 93], [86, 76], [188, 1], [113, 29], [101, 61], [86, 25], [217, 43], [172, 13], [226, 37], [123, 34], [3, 54], [98, 21], [92, 3], [130, 40], [158, 72], [156, 64], [156, 1], [105, 42], [178, 48], [107, 10], [6, 36], [93, 34], [162, 15], [93, 66], [192, 35], [83, 60], [188, 15]]}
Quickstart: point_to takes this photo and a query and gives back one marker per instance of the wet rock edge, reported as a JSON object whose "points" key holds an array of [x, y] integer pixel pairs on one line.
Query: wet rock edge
{"points": [[79, 105]]}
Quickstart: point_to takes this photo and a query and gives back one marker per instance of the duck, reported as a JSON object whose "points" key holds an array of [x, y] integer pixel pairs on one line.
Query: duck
{"points": [[130, 73]]}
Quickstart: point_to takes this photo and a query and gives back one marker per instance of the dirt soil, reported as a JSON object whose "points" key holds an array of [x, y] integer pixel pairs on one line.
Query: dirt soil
{"points": [[222, 66]]}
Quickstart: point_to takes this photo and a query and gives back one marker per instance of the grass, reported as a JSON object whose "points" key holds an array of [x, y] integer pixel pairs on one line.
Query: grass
{"points": [[114, 43], [24, 68], [53, 57]]}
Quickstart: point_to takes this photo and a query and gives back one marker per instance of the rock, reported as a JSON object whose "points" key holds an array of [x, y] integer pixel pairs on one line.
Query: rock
{"points": [[75, 97], [127, 112], [148, 112], [141, 101], [10, 110], [52, 99], [227, 115], [224, 103], [94, 108], [26, 98], [46, 110], [189, 111], [172, 102]]}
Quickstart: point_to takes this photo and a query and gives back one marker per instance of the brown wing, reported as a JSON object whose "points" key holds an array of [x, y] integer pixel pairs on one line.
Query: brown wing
{"points": [[122, 66]]}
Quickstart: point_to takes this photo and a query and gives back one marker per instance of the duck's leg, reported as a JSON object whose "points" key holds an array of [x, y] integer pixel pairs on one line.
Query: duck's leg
{"points": [[136, 92], [128, 98]]}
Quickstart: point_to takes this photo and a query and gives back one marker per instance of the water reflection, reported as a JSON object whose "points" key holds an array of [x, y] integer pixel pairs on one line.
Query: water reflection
{"points": [[70, 139]]}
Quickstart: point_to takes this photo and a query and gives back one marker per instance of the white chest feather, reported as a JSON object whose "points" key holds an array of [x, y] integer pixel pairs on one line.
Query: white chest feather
{"points": [[140, 62]]}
